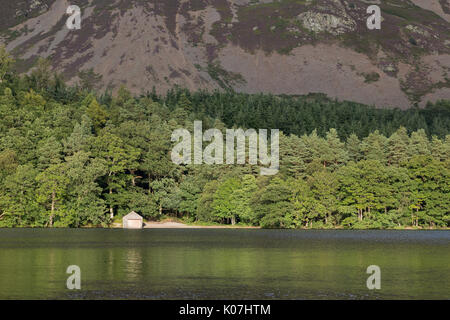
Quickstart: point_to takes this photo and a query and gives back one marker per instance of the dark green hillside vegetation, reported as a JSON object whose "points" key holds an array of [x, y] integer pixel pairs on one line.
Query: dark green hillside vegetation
{"points": [[70, 157], [303, 114]]}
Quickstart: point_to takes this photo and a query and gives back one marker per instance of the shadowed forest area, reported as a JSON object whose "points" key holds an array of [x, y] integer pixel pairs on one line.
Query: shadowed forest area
{"points": [[72, 157]]}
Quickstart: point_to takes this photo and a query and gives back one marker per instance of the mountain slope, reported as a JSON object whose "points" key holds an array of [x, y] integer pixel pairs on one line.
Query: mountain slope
{"points": [[287, 46]]}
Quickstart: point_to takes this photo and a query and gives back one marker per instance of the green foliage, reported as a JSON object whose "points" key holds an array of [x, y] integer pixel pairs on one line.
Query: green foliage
{"points": [[371, 77], [225, 203], [71, 158], [301, 115], [97, 114], [89, 80], [6, 62], [225, 79], [274, 207]]}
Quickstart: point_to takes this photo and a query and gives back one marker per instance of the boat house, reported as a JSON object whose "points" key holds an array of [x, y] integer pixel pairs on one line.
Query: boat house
{"points": [[132, 221]]}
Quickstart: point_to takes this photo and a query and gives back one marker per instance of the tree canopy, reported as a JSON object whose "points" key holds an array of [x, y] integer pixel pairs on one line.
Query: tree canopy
{"points": [[72, 157]]}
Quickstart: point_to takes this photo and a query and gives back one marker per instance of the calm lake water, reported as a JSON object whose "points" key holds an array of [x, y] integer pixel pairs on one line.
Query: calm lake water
{"points": [[223, 264]]}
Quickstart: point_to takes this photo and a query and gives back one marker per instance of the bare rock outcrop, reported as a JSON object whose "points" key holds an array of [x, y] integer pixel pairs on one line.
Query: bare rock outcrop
{"points": [[325, 22]]}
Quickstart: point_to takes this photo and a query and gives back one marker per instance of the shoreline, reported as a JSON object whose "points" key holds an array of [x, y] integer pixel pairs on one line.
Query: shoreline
{"points": [[179, 225], [172, 225]]}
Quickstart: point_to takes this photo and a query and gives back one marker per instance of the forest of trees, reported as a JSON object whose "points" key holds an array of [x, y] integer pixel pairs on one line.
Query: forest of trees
{"points": [[70, 157]]}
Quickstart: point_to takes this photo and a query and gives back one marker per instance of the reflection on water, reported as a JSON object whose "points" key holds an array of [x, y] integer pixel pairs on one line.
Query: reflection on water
{"points": [[223, 264], [133, 264]]}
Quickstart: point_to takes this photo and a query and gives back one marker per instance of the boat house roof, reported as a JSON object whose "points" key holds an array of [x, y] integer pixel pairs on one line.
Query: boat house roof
{"points": [[132, 216]]}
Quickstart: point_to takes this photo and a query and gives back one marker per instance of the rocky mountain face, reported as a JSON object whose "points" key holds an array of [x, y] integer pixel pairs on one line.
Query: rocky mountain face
{"points": [[282, 47]]}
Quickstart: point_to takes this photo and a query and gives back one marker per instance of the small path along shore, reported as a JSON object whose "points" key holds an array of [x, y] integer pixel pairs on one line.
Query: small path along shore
{"points": [[171, 224]]}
